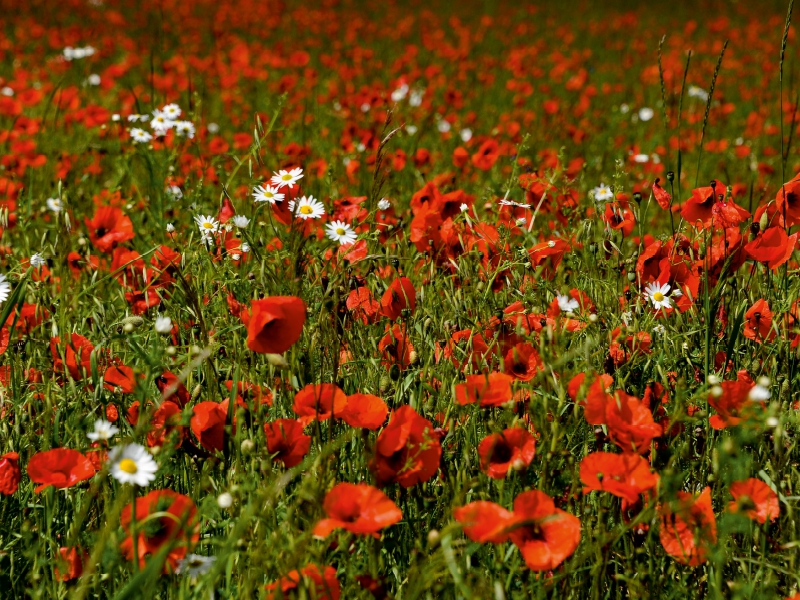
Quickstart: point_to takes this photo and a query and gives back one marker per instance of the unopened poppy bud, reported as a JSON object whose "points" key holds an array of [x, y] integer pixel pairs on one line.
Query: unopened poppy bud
{"points": [[637, 197], [171, 350], [133, 321], [670, 175], [433, 537], [247, 446], [225, 500], [631, 276], [127, 328], [518, 464], [384, 383], [764, 221], [196, 391], [593, 318], [413, 357], [716, 391]]}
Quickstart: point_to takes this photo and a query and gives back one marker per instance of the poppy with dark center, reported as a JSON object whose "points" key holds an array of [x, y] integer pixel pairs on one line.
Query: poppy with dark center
{"points": [[623, 475], [523, 362], [395, 347], [772, 247], [755, 499], [787, 201], [177, 529], [758, 322], [490, 390], [407, 450], [108, 228], [399, 296], [322, 583], [364, 410], [208, 424], [319, 402], [9, 473], [166, 426], [358, 508], [285, 439], [512, 448]]}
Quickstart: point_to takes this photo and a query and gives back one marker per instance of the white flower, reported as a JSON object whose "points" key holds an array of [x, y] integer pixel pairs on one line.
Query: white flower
{"points": [[341, 232], [505, 202], [132, 464], [759, 393], [307, 208], [213, 128], [365, 107], [466, 135], [245, 247], [416, 97], [7, 91], [103, 431], [384, 204], [208, 226], [115, 117], [241, 221], [175, 192], [627, 317], [160, 123], [170, 228], [54, 205], [37, 261], [645, 114], [5, 289], [71, 53], [659, 329], [285, 178], [225, 500], [602, 193], [641, 158], [140, 136], [657, 294], [185, 129], [267, 193], [697, 92], [623, 108], [171, 111], [411, 129], [195, 565], [567, 304], [464, 207], [163, 325], [400, 93], [443, 126], [93, 79]]}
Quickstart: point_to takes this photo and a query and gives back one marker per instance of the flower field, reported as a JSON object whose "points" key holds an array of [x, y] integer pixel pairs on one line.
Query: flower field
{"points": [[404, 300]]}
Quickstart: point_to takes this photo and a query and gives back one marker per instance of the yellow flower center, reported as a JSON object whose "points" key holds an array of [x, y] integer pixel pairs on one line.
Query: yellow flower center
{"points": [[306, 209], [286, 177], [340, 231], [208, 225], [658, 296], [128, 465]]}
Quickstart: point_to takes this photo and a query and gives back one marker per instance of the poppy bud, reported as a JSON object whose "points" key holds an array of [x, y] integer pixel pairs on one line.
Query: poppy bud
{"points": [[396, 263], [433, 537], [764, 222], [637, 197]]}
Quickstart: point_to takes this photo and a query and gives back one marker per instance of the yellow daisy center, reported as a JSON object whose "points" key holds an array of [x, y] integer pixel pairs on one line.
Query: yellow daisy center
{"points": [[128, 465], [208, 225], [286, 177], [340, 231], [658, 296], [306, 209]]}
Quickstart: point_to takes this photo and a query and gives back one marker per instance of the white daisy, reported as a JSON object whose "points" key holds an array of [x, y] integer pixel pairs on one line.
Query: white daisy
{"points": [[341, 232], [37, 260], [140, 136], [602, 193], [195, 565], [384, 204], [466, 135], [307, 208], [759, 393], [170, 228], [241, 221], [103, 431], [185, 129], [657, 294], [160, 123], [174, 192], [5, 289], [285, 178], [54, 205], [163, 325], [567, 304], [132, 464], [267, 193], [207, 225], [171, 111], [505, 202]]}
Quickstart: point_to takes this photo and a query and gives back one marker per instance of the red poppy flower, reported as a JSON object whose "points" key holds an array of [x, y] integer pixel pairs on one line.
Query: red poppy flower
{"points": [[275, 324], [363, 306], [358, 508], [62, 468], [704, 207], [490, 390], [623, 347], [319, 402], [623, 475], [465, 347], [395, 347], [512, 448], [548, 254], [172, 389], [286, 438], [9, 473], [544, 534], [408, 449], [177, 529], [364, 410], [108, 228], [755, 499], [322, 583], [72, 561], [661, 195], [732, 404], [77, 356], [758, 322], [688, 527], [630, 424], [772, 247], [208, 424], [399, 295], [166, 426], [787, 201], [523, 362], [486, 155], [485, 521], [119, 378]]}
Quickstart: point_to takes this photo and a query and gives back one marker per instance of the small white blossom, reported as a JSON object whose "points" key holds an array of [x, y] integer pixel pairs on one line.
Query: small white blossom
{"points": [[5, 289], [645, 114], [103, 431], [567, 304], [132, 464], [140, 136], [384, 204], [466, 135], [307, 208], [267, 193], [163, 325], [37, 260], [657, 294], [285, 178], [341, 232], [602, 193], [241, 221]]}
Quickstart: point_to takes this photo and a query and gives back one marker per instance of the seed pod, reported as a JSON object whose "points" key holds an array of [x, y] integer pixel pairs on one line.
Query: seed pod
{"points": [[135, 321], [196, 391]]}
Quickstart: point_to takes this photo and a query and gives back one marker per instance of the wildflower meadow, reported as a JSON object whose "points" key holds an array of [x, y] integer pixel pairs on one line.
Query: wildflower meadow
{"points": [[399, 300]]}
